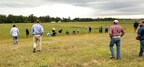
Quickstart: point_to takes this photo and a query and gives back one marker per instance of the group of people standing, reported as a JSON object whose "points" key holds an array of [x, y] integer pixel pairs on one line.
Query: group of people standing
{"points": [[116, 33]]}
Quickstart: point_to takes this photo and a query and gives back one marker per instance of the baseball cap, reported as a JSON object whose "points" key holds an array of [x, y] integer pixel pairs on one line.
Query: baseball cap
{"points": [[116, 21]]}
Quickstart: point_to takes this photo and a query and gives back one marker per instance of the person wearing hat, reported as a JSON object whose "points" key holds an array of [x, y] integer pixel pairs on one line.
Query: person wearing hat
{"points": [[37, 31], [116, 32], [140, 37]]}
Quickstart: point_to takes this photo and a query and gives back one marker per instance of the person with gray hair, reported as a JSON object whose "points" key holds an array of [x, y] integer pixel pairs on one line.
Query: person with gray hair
{"points": [[37, 31], [140, 37]]}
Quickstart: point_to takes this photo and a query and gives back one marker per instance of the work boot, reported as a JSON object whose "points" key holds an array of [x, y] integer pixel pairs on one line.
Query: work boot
{"points": [[112, 57], [34, 50]]}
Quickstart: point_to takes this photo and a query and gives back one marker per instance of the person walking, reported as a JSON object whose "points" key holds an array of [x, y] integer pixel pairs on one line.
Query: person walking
{"points": [[140, 37], [14, 33], [37, 31], [116, 32]]}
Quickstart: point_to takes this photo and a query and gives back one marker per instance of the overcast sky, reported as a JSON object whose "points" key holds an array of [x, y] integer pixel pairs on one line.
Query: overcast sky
{"points": [[74, 8]]}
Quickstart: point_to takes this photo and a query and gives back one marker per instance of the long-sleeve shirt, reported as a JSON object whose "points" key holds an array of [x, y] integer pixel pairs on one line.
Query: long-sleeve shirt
{"points": [[37, 29], [116, 30], [14, 31]]}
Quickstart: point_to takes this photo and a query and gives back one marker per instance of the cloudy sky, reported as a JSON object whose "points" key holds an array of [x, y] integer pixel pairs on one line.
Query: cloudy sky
{"points": [[74, 8]]}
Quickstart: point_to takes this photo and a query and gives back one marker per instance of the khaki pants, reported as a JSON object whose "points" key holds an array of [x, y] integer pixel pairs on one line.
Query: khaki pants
{"points": [[37, 41]]}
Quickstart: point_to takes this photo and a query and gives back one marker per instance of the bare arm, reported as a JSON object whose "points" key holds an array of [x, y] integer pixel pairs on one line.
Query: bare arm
{"points": [[123, 32]]}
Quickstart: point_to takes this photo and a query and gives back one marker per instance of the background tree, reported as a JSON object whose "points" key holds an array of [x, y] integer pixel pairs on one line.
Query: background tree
{"points": [[31, 18], [2, 18]]}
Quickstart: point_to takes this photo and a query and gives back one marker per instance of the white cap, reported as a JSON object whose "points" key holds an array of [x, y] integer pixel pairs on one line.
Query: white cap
{"points": [[116, 21]]}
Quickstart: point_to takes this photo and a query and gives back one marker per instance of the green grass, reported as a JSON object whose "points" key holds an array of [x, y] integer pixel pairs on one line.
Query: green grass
{"points": [[81, 50]]}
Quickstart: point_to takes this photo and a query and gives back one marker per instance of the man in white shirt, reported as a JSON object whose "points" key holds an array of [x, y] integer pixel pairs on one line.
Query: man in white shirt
{"points": [[14, 33]]}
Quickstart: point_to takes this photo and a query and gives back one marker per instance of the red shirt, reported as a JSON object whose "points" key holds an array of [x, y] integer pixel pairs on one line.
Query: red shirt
{"points": [[116, 30]]}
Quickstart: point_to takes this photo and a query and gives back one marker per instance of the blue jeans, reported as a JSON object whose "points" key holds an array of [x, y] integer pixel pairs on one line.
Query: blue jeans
{"points": [[141, 48], [117, 42], [15, 39]]}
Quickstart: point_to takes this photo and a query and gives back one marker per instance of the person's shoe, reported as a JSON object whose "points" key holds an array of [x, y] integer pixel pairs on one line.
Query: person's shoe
{"points": [[118, 58], [14, 43], [112, 57], [34, 50], [140, 55], [39, 50]]}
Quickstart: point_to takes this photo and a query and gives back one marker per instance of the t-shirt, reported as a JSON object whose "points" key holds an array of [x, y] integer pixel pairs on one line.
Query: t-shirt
{"points": [[14, 31]]}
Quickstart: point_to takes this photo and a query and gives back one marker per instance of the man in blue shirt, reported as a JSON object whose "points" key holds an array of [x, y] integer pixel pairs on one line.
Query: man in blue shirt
{"points": [[140, 34], [37, 31]]}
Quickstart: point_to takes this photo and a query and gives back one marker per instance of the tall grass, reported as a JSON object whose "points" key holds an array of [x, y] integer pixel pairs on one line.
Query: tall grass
{"points": [[81, 50]]}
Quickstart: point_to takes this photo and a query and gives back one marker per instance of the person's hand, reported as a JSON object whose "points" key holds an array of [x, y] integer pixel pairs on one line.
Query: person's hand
{"points": [[138, 38]]}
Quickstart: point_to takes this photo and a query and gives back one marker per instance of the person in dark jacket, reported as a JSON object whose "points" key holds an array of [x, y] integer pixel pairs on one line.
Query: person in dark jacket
{"points": [[140, 35], [136, 24], [27, 32]]}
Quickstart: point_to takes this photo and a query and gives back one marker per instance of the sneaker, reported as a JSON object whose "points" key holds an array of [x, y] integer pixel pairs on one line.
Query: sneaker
{"points": [[34, 50], [112, 57]]}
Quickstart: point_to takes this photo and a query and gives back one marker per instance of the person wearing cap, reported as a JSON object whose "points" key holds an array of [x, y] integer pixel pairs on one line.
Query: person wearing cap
{"points": [[116, 32], [14, 33], [140, 35], [37, 31], [136, 24]]}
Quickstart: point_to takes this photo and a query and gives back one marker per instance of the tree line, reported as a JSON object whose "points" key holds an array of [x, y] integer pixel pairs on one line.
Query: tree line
{"points": [[31, 19]]}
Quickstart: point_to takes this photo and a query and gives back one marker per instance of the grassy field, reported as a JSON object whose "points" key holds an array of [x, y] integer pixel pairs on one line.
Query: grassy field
{"points": [[80, 50]]}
